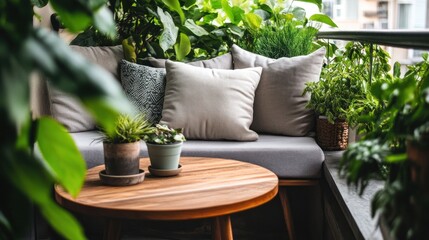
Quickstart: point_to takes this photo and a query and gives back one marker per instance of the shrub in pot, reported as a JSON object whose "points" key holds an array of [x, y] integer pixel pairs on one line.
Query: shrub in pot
{"points": [[396, 151], [164, 146], [342, 94], [122, 146]]}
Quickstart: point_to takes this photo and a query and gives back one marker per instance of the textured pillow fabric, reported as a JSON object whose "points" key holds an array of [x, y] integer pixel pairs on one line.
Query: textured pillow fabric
{"points": [[145, 87], [279, 104], [210, 104], [68, 110], [219, 62]]}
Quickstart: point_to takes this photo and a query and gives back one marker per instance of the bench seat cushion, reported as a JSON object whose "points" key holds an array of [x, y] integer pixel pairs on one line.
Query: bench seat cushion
{"points": [[288, 157]]}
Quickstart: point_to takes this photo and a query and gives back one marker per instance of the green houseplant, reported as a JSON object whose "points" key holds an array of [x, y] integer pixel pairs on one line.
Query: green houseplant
{"points": [[26, 177], [396, 151], [164, 146], [342, 94], [122, 146]]}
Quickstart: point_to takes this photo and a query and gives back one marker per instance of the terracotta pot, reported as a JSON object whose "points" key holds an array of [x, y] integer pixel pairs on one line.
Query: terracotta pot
{"points": [[164, 156], [122, 158], [419, 157]]}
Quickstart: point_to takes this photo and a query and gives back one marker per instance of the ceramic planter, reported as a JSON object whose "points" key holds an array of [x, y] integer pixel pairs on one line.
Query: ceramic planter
{"points": [[164, 156], [122, 158]]}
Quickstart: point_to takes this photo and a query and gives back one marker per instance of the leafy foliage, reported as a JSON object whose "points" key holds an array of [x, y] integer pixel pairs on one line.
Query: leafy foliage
{"points": [[162, 134], [29, 176], [343, 91], [287, 40], [402, 116], [190, 30], [128, 129]]}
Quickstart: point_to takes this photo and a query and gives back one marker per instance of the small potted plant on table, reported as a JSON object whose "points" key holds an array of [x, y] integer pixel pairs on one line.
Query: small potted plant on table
{"points": [[164, 146], [122, 150]]}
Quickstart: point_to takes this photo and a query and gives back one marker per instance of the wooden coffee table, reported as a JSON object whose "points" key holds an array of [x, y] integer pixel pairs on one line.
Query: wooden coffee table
{"points": [[206, 188]]}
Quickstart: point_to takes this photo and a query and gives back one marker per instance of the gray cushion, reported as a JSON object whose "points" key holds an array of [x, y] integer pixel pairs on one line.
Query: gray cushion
{"points": [[145, 87], [68, 110], [219, 62], [210, 104], [280, 107], [288, 157]]}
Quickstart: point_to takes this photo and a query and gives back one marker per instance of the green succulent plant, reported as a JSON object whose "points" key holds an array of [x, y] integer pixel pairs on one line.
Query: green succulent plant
{"points": [[162, 134]]}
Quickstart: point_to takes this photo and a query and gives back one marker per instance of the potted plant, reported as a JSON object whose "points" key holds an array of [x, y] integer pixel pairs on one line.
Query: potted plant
{"points": [[122, 146], [342, 94], [396, 151], [164, 146]]}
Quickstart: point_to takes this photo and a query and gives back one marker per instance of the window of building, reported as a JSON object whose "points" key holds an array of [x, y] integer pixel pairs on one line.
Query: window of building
{"points": [[404, 14]]}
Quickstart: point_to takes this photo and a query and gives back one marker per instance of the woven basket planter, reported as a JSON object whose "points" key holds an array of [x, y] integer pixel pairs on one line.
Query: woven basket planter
{"points": [[332, 136]]}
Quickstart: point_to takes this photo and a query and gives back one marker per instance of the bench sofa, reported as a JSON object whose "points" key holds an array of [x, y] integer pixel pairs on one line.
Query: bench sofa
{"points": [[296, 160]]}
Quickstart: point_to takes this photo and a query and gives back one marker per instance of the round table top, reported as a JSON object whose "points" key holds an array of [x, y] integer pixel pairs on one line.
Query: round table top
{"points": [[206, 187]]}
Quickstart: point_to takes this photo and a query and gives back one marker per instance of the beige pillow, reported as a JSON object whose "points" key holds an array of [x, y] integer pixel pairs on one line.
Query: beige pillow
{"points": [[219, 62], [210, 104], [279, 104], [67, 109]]}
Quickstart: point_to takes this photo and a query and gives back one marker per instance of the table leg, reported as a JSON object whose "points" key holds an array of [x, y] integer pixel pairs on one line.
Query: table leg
{"points": [[221, 228], [112, 230]]}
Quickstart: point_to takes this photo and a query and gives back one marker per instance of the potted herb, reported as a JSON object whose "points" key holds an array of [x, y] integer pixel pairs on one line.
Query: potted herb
{"points": [[398, 153], [122, 146], [164, 146], [342, 94]]}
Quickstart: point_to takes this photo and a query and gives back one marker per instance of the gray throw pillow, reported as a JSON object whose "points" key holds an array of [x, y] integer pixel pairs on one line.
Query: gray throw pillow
{"points": [[210, 104], [219, 62], [279, 103], [144, 87], [67, 109]]}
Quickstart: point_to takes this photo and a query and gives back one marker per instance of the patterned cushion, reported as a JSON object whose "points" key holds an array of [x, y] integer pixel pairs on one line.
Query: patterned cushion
{"points": [[145, 88]]}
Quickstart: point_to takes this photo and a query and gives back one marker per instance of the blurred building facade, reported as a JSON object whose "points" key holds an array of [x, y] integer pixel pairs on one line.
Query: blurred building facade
{"points": [[381, 14]]}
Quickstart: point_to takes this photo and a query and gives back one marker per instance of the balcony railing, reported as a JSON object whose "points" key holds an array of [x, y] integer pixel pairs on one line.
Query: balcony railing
{"points": [[415, 39]]}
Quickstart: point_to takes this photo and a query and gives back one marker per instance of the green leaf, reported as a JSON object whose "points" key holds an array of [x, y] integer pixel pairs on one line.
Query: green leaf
{"points": [[323, 19], [62, 221], [262, 13], [182, 48], [129, 50], [103, 21], [175, 6], [5, 227], [75, 17], [14, 87], [397, 70], [169, 33], [318, 3], [194, 28], [61, 155], [395, 158], [299, 13], [253, 20], [39, 3], [228, 10], [216, 4]]}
